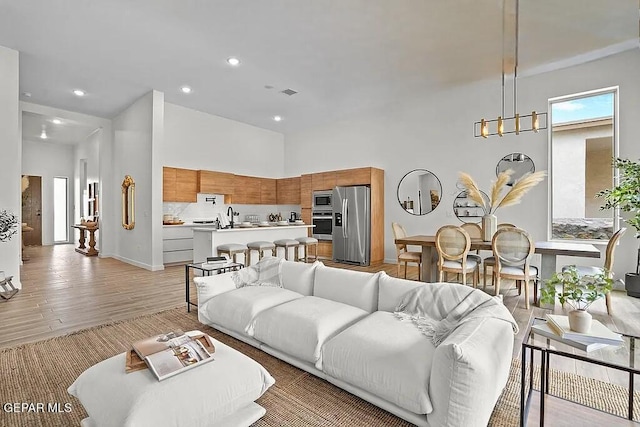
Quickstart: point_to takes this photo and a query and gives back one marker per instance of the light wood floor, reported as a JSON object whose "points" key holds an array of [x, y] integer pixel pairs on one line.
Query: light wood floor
{"points": [[64, 291]]}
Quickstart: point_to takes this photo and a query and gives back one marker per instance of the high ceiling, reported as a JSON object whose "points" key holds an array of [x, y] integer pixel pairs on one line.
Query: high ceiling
{"points": [[341, 56]]}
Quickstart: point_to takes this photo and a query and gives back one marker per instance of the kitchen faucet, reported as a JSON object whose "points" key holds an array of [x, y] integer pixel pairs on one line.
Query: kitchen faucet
{"points": [[230, 216]]}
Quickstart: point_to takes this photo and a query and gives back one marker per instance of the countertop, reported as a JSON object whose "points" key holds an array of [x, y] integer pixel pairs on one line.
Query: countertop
{"points": [[253, 228]]}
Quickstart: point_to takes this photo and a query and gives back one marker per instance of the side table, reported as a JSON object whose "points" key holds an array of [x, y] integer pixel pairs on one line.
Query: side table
{"points": [[7, 290], [206, 270]]}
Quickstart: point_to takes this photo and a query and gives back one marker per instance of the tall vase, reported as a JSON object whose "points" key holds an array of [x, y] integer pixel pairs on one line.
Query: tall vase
{"points": [[489, 227]]}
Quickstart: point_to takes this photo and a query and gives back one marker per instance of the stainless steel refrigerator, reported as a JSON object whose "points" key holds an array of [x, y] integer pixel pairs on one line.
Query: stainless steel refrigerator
{"points": [[352, 224]]}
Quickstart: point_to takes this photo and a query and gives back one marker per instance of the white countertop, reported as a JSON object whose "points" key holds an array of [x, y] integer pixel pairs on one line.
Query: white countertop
{"points": [[253, 228]]}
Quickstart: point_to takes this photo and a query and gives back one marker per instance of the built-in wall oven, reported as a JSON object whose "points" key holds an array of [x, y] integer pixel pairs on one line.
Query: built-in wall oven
{"points": [[323, 221]]}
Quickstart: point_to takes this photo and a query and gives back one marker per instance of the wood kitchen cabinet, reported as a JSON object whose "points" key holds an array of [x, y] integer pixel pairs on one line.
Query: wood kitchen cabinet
{"points": [[325, 249], [211, 182], [288, 190], [268, 191], [246, 190], [305, 215], [179, 185], [358, 176], [323, 180], [306, 192]]}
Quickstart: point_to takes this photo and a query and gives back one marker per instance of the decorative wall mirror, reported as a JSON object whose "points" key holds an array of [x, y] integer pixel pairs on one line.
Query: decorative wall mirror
{"points": [[519, 163], [419, 192], [466, 210], [128, 203]]}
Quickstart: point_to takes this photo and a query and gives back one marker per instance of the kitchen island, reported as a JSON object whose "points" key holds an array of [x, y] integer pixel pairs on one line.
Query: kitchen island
{"points": [[207, 239]]}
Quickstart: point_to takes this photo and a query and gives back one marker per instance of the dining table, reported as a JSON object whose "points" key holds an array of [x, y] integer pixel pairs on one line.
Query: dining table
{"points": [[549, 251]]}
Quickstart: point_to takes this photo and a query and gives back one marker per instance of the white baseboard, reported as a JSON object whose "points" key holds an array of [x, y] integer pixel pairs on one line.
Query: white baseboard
{"points": [[138, 264]]}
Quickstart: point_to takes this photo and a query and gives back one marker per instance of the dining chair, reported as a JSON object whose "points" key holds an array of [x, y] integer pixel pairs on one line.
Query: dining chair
{"points": [[404, 255], [512, 251], [452, 244], [475, 232], [490, 261], [608, 265]]}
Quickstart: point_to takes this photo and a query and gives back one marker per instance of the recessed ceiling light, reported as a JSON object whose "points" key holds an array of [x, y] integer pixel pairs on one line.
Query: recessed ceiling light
{"points": [[233, 61], [56, 121], [277, 118], [43, 135], [79, 92], [185, 89]]}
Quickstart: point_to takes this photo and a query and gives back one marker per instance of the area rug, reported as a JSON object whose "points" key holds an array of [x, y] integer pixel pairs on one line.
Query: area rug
{"points": [[41, 372]]}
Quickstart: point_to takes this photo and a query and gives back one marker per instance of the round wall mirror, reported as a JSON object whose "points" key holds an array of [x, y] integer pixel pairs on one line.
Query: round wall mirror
{"points": [[520, 163], [419, 192], [468, 210]]}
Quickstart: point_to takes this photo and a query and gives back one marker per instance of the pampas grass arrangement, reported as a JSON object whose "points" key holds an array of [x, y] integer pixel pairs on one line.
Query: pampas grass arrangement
{"points": [[497, 199]]}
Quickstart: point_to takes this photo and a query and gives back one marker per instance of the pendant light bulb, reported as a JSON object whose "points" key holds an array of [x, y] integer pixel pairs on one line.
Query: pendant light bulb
{"points": [[535, 125], [500, 126], [484, 128]]}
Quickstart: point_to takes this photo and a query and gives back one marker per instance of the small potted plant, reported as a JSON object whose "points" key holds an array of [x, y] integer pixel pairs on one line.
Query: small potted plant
{"points": [[579, 292], [626, 196]]}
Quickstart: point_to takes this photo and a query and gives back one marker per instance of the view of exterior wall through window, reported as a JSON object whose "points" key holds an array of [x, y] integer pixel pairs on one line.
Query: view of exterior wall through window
{"points": [[583, 144], [60, 210]]}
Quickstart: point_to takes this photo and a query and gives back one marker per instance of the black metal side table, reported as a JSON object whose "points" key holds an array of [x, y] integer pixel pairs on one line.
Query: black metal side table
{"points": [[621, 358], [207, 270]]}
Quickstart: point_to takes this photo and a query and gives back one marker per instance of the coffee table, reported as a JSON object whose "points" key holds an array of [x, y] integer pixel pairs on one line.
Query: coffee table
{"points": [[221, 392], [206, 270], [621, 358]]}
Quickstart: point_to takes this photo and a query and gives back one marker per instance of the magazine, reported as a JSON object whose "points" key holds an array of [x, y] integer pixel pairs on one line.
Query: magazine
{"points": [[599, 333], [169, 354], [547, 331]]}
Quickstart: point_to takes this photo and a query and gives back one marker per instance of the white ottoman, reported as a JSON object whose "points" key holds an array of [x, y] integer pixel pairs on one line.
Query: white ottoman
{"points": [[218, 393]]}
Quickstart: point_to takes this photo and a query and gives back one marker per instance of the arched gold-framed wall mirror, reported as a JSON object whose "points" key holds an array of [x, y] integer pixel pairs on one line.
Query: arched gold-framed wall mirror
{"points": [[128, 203], [419, 192]]}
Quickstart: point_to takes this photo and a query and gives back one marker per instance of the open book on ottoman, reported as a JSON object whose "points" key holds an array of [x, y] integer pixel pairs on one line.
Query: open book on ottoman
{"points": [[169, 354]]}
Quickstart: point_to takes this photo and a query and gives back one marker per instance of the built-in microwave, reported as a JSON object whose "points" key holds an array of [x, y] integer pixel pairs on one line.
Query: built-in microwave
{"points": [[323, 221], [322, 200]]}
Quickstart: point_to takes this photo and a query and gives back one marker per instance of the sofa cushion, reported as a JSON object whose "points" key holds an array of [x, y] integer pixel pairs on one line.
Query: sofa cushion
{"points": [[388, 358], [298, 276], [355, 288], [236, 310], [300, 328], [392, 290]]}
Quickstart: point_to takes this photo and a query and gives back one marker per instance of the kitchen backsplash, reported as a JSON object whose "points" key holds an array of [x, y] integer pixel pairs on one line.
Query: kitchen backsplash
{"points": [[203, 210]]}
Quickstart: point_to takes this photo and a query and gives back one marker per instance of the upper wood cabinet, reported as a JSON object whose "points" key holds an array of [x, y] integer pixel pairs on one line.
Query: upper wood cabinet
{"points": [[179, 185], [288, 190], [246, 190], [268, 191], [215, 182], [358, 176], [306, 192], [323, 180]]}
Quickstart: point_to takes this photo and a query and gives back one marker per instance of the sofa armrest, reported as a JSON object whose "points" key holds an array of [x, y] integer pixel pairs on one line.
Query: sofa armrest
{"points": [[210, 286], [470, 369]]}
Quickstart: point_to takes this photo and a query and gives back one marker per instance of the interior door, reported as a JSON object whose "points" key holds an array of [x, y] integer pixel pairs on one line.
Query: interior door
{"points": [[32, 211]]}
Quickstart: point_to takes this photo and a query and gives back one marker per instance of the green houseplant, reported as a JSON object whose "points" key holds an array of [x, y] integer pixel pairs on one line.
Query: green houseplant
{"points": [[577, 291], [626, 197]]}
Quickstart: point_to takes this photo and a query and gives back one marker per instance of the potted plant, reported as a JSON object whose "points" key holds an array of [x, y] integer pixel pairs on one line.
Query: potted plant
{"points": [[497, 199], [8, 225], [626, 196], [577, 291]]}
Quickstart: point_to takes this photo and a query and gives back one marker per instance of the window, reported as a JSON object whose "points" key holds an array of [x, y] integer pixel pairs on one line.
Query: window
{"points": [[582, 144], [60, 210]]}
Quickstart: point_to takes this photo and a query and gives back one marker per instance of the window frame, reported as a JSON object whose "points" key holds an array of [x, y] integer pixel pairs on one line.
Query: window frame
{"points": [[616, 119]]}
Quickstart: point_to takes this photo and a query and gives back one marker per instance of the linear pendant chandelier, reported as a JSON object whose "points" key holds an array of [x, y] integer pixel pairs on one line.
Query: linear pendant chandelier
{"points": [[517, 123]]}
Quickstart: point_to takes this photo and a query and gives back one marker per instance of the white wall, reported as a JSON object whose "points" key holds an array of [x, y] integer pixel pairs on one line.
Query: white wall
{"points": [[196, 140], [435, 131], [49, 161], [87, 150], [133, 145], [11, 149]]}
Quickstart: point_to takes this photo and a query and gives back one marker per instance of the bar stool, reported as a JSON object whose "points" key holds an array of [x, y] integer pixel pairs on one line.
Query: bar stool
{"points": [[233, 249], [286, 244], [307, 243], [260, 246]]}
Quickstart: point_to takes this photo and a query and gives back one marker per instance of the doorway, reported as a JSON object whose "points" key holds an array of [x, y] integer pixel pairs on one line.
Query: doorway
{"points": [[32, 211]]}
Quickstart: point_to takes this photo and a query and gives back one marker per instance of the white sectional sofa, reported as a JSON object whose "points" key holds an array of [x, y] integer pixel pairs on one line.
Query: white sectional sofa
{"points": [[339, 325]]}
